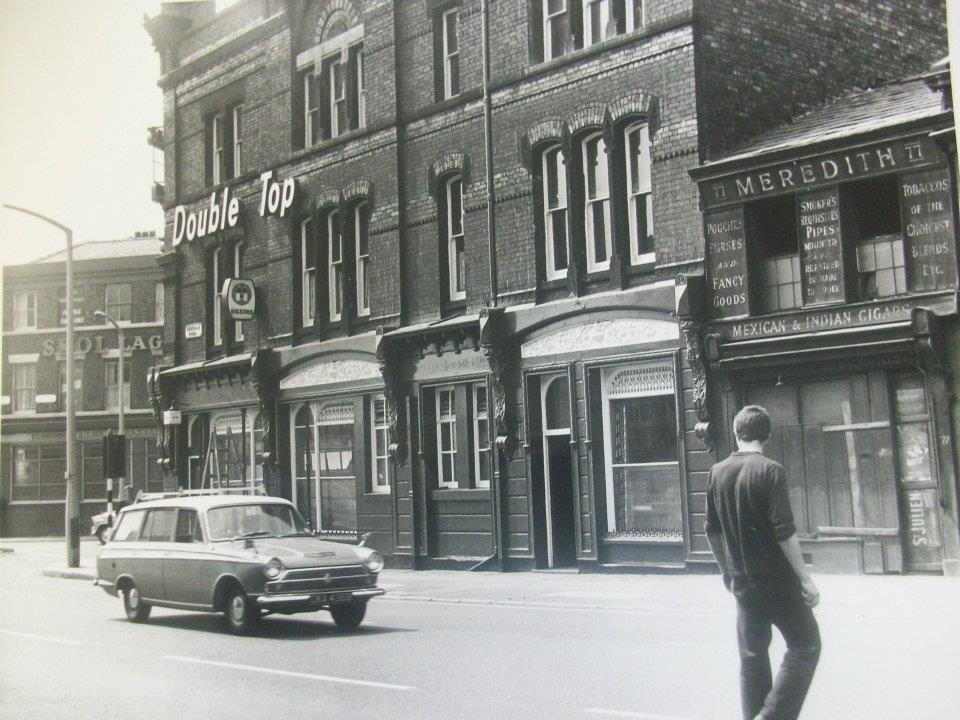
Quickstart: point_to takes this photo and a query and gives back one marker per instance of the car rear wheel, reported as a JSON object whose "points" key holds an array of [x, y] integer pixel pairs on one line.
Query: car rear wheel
{"points": [[240, 614], [133, 605], [102, 534], [348, 615]]}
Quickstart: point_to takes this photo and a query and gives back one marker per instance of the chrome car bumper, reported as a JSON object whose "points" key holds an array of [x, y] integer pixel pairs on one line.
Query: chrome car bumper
{"points": [[108, 587], [319, 598]]}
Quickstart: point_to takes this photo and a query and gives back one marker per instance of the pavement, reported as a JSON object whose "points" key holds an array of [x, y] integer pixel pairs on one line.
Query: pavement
{"points": [[882, 598]]}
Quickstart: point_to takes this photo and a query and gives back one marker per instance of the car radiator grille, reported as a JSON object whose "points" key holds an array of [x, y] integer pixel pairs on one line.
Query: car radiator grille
{"points": [[321, 580]]}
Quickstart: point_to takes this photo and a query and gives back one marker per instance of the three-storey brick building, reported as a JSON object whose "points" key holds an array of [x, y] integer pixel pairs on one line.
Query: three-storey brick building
{"points": [[122, 279], [472, 363]]}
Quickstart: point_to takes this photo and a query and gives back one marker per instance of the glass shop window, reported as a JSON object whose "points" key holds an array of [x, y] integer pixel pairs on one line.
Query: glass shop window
{"points": [[774, 245], [871, 213], [641, 449]]}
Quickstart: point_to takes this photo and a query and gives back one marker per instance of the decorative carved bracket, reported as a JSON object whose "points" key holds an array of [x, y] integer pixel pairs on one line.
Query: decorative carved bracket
{"points": [[387, 359], [692, 332], [495, 350], [266, 385]]}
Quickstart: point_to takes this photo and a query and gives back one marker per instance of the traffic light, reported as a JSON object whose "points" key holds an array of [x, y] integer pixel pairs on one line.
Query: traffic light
{"points": [[114, 455]]}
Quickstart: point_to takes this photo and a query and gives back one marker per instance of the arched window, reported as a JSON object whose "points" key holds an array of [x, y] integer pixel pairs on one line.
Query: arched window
{"points": [[356, 228], [556, 237], [308, 273], [596, 185], [639, 192], [334, 243], [453, 240]]}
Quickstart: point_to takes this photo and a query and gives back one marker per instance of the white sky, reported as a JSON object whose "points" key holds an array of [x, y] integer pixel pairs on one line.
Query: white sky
{"points": [[77, 93], [78, 89]]}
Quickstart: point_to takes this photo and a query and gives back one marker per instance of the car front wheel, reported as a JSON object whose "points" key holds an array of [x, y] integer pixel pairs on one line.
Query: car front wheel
{"points": [[240, 614], [133, 605], [102, 534], [348, 615]]}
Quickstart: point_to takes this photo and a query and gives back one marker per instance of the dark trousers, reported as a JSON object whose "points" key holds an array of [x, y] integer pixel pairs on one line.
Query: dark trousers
{"points": [[761, 604]]}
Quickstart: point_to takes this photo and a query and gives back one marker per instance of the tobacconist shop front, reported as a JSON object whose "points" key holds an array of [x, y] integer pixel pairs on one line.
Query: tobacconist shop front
{"points": [[830, 296]]}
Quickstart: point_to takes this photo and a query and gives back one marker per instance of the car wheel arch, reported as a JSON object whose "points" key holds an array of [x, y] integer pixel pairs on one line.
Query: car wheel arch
{"points": [[221, 587]]}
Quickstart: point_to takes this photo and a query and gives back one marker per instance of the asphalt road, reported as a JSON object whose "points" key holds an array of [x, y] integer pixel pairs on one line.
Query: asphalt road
{"points": [[67, 652]]}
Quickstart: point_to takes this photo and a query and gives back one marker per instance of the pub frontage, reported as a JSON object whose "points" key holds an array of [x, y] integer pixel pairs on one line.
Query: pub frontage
{"points": [[831, 280]]}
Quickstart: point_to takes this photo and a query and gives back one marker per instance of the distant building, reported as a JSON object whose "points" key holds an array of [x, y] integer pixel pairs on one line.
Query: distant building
{"points": [[122, 278], [519, 395]]}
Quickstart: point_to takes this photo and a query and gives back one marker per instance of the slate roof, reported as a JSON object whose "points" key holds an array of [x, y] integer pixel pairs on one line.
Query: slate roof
{"points": [[892, 103], [106, 249]]}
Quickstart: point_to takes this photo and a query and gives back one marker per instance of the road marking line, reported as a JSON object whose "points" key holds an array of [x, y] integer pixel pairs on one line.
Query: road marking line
{"points": [[290, 673], [47, 638], [638, 715]]}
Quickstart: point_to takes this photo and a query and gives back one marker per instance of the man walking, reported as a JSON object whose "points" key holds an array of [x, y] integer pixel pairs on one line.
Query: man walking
{"points": [[750, 528]]}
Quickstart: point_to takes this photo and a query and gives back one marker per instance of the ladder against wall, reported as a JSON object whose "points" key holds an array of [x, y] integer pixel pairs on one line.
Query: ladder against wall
{"points": [[225, 469]]}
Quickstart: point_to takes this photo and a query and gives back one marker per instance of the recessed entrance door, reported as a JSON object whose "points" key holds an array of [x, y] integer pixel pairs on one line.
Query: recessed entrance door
{"points": [[561, 549]]}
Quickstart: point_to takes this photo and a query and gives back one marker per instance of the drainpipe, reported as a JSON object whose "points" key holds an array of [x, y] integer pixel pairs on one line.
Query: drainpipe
{"points": [[488, 152]]}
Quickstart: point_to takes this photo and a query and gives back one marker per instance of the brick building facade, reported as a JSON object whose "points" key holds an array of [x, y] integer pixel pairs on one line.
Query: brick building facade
{"points": [[521, 396], [123, 279]]}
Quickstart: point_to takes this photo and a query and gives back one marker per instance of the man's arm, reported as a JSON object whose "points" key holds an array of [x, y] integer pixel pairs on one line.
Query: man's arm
{"points": [[791, 550], [716, 544]]}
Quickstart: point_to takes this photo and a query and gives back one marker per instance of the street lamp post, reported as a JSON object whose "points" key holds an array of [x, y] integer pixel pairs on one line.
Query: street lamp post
{"points": [[72, 510], [116, 326]]}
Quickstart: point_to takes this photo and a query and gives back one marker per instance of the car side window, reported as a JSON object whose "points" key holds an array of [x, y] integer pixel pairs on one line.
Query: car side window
{"points": [[159, 524], [188, 527], [128, 526]]}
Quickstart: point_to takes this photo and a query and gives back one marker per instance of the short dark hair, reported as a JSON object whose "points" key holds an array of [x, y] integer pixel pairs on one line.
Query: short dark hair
{"points": [[752, 423]]}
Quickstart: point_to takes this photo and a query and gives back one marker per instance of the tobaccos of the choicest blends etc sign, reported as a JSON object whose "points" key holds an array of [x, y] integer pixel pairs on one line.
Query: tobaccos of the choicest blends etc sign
{"points": [[275, 199]]}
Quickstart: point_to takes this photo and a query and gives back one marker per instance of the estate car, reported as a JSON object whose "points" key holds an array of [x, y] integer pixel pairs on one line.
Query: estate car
{"points": [[243, 555]]}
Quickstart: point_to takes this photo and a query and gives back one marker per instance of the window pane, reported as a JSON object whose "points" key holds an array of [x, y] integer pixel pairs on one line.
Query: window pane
{"points": [[644, 429], [599, 231], [558, 220]]}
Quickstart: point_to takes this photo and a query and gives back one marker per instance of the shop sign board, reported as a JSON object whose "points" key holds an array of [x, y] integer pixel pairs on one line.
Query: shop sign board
{"points": [[727, 263], [79, 316], [926, 209], [240, 298], [193, 330], [830, 168], [172, 417], [819, 216], [834, 319]]}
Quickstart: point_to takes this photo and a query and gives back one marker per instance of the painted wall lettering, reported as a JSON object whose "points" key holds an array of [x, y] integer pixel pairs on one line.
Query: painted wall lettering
{"points": [[819, 216], [927, 219], [217, 216], [727, 262]]}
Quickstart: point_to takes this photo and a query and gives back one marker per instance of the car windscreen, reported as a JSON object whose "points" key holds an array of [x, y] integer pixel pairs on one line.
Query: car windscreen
{"points": [[128, 526], [253, 520]]}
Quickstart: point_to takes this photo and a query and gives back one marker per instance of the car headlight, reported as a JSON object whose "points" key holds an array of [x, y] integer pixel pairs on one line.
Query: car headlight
{"points": [[273, 568], [374, 562]]}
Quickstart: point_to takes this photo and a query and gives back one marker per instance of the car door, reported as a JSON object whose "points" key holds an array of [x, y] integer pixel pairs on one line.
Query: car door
{"points": [[187, 566], [154, 547]]}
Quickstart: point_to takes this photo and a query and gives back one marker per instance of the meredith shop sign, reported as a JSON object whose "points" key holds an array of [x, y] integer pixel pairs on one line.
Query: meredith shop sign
{"points": [[822, 170], [223, 212]]}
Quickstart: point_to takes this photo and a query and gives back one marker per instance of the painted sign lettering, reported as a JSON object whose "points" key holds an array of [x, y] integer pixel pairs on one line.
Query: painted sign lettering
{"points": [[925, 203], [727, 263], [818, 321], [275, 200], [217, 216], [819, 217], [94, 343], [826, 169]]}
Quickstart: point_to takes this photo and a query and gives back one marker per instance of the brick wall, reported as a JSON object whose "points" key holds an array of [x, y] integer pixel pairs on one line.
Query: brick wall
{"points": [[763, 62]]}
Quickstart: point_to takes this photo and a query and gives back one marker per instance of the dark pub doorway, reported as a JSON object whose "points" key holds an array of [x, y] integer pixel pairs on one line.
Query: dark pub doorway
{"points": [[552, 482]]}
